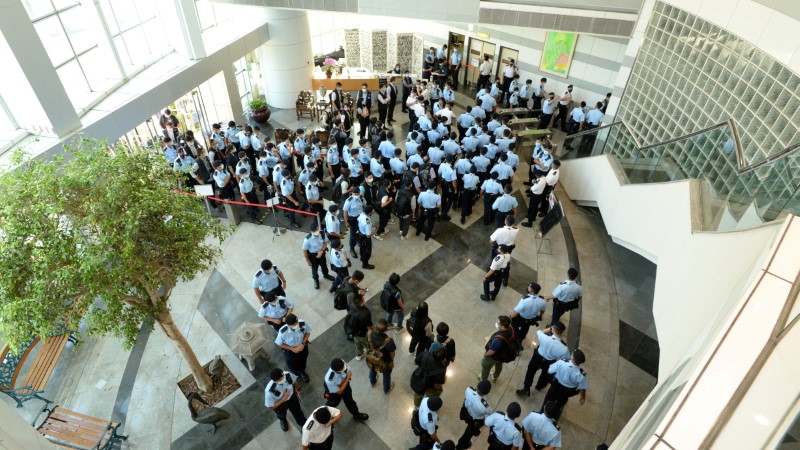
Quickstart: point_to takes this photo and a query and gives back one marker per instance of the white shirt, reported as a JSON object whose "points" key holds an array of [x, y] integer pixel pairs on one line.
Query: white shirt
{"points": [[447, 113], [500, 262], [315, 432], [552, 177], [508, 72], [486, 68], [505, 235]]}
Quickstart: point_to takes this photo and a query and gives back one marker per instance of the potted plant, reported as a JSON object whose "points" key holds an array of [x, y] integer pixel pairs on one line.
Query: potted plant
{"points": [[329, 65], [259, 111]]}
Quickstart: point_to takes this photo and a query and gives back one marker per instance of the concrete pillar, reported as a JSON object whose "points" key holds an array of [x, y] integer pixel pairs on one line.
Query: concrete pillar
{"points": [[191, 30], [233, 94], [287, 59]]}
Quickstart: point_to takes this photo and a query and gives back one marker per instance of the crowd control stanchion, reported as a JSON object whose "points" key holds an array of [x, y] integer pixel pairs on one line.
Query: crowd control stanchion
{"points": [[278, 229], [205, 190]]}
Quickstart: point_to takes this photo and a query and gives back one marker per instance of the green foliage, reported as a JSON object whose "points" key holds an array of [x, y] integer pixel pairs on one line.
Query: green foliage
{"points": [[257, 104], [95, 234]]}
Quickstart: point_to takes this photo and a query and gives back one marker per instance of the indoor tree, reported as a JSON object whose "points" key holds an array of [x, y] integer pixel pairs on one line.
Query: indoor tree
{"points": [[98, 234]]}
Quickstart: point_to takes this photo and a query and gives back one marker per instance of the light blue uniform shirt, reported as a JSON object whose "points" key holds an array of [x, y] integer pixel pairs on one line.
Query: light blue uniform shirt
{"points": [[505, 203], [498, 131], [478, 113], [449, 95], [495, 90], [364, 224], [334, 379], [427, 419], [398, 166], [376, 168], [262, 167], [594, 116], [513, 159], [292, 337], [313, 244], [364, 155], [275, 391], [245, 185], [424, 123], [492, 125], [462, 166], [455, 57], [466, 120], [569, 375], [354, 205], [338, 259], [446, 173], [219, 141], [481, 163], [577, 114], [273, 310], [547, 107], [355, 167], [284, 151], [243, 165], [568, 291], [300, 145], [547, 159], [491, 151], [477, 407], [430, 199], [230, 133], [266, 282], [411, 148], [312, 192], [415, 158], [502, 143], [220, 176], [287, 187], [387, 149], [471, 181], [530, 306], [332, 157], [418, 140], [491, 186], [542, 429], [435, 155], [332, 223], [505, 429], [183, 164], [170, 153], [470, 143], [433, 136], [551, 347], [503, 170], [451, 147]]}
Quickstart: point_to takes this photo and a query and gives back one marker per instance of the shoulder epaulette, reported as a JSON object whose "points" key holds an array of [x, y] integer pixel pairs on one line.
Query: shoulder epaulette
{"points": [[330, 377], [260, 272], [284, 329]]}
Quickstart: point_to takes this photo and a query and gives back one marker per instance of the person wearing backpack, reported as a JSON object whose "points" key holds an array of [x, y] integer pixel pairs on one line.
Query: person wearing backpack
{"points": [[340, 263], [341, 186], [406, 206], [433, 371], [385, 347], [499, 349], [392, 301], [421, 330], [442, 340], [361, 325]]}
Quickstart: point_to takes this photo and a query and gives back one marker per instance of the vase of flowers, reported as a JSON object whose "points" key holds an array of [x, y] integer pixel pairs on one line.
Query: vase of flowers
{"points": [[329, 64]]}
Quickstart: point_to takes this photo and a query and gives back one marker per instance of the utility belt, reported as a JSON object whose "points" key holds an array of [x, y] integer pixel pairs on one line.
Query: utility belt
{"points": [[495, 444], [430, 210], [568, 306], [324, 444], [563, 390]]}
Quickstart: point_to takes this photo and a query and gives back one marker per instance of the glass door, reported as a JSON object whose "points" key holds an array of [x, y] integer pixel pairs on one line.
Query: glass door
{"points": [[478, 49]]}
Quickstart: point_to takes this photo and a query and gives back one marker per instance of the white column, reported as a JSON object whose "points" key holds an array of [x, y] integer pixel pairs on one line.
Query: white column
{"points": [[191, 30], [287, 58], [233, 94], [32, 58]]}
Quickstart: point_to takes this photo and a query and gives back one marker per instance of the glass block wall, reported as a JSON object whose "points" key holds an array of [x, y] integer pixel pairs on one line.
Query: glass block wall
{"points": [[691, 74]]}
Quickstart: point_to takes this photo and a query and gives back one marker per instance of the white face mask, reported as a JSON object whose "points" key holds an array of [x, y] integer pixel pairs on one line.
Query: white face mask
{"points": [[315, 233], [496, 326]]}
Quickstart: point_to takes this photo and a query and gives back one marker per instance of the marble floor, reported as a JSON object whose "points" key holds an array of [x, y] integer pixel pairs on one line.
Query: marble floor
{"points": [[138, 387]]}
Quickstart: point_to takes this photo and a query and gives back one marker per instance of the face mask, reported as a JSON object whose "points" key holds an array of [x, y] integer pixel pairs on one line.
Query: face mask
{"points": [[496, 326], [316, 233], [283, 381], [364, 91], [294, 328]]}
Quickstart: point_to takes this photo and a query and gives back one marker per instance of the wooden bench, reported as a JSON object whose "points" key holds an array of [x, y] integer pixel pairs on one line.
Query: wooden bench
{"points": [[39, 373], [70, 429]]}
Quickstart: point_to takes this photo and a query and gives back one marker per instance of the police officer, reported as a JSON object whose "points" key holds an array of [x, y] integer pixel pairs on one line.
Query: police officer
{"points": [[318, 429], [275, 309], [505, 235], [540, 431], [504, 171], [529, 311], [566, 295], [268, 279], [504, 205], [247, 191], [339, 263], [333, 226], [468, 190], [495, 273], [314, 200], [506, 433], [568, 380], [353, 207], [293, 339], [490, 190], [337, 385], [449, 185], [222, 179], [550, 179], [365, 233], [314, 247], [536, 193], [430, 202], [475, 410], [288, 196], [428, 422], [281, 395], [551, 349]]}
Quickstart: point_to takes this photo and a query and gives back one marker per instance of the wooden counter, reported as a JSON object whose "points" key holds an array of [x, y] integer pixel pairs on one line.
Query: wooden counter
{"points": [[348, 84]]}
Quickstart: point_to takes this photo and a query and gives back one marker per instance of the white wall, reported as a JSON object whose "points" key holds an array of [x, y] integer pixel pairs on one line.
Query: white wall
{"points": [[16, 434], [699, 274]]}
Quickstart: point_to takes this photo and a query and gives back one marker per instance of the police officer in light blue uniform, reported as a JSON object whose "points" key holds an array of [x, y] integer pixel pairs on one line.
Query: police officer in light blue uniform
{"points": [[288, 196], [268, 279], [337, 384], [375, 166], [293, 339], [481, 163], [280, 395], [568, 380], [478, 410], [468, 190], [505, 433], [503, 170], [353, 207], [490, 190], [275, 309], [435, 157], [504, 205], [411, 146], [528, 312], [539, 429], [551, 349], [314, 247], [334, 163], [566, 295], [428, 421], [449, 185], [397, 165], [247, 191], [339, 263], [430, 202], [365, 233]]}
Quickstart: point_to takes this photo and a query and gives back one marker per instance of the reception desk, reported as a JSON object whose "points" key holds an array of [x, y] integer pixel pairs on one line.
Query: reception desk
{"points": [[351, 83]]}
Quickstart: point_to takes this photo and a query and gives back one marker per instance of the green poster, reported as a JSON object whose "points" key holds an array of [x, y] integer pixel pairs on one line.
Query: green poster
{"points": [[557, 53]]}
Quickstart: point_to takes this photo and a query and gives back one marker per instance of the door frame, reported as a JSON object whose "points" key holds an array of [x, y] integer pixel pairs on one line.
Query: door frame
{"points": [[499, 62], [480, 57]]}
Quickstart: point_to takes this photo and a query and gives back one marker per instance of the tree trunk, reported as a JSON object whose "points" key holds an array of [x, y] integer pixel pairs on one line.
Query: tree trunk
{"points": [[202, 379]]}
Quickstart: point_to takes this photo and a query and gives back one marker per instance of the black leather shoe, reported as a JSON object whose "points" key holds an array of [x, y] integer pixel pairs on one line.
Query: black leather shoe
{"points": [[527, 224], [329, 277], [316, 284], [368, 266], [304, 377], [360, 416], [332, 290], [484, 298], [284, 425], [525, 392], [463, 220]]}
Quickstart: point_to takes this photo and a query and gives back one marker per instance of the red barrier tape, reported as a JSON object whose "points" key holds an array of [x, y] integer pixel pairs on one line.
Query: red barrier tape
{"points": [[257, 205]]}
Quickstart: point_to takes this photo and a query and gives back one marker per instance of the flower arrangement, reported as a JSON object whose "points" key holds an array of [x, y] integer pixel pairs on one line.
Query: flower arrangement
{"points": [[329, 63]]}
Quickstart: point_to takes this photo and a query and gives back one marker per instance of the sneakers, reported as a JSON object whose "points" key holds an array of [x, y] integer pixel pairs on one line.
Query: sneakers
{"points": [[392, 221], [359, 357], [493, 378], [378, 237], [403, 238], [316, 284], [399, 330]]}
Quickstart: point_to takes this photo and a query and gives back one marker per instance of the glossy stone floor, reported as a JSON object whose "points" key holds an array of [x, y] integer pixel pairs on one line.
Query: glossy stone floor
{"points": [[614, 328]]}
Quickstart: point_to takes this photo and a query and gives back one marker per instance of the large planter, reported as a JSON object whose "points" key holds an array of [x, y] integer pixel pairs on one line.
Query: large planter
{"points": [[260, 116]]}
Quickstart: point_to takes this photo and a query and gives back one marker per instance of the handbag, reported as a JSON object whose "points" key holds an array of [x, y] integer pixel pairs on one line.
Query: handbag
{"points": [[374, 356]]}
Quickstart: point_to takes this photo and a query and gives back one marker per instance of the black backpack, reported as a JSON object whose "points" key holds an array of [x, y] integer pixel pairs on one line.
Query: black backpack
{"points": [[510, 349], [336, 195], [386, 298], [403, 202], [340, 296], [424, 175]]}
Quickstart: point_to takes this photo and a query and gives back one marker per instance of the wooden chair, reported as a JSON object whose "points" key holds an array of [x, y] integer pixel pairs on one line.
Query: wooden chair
{"points": [[38, 375], [70, 429], [305, 105]]}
